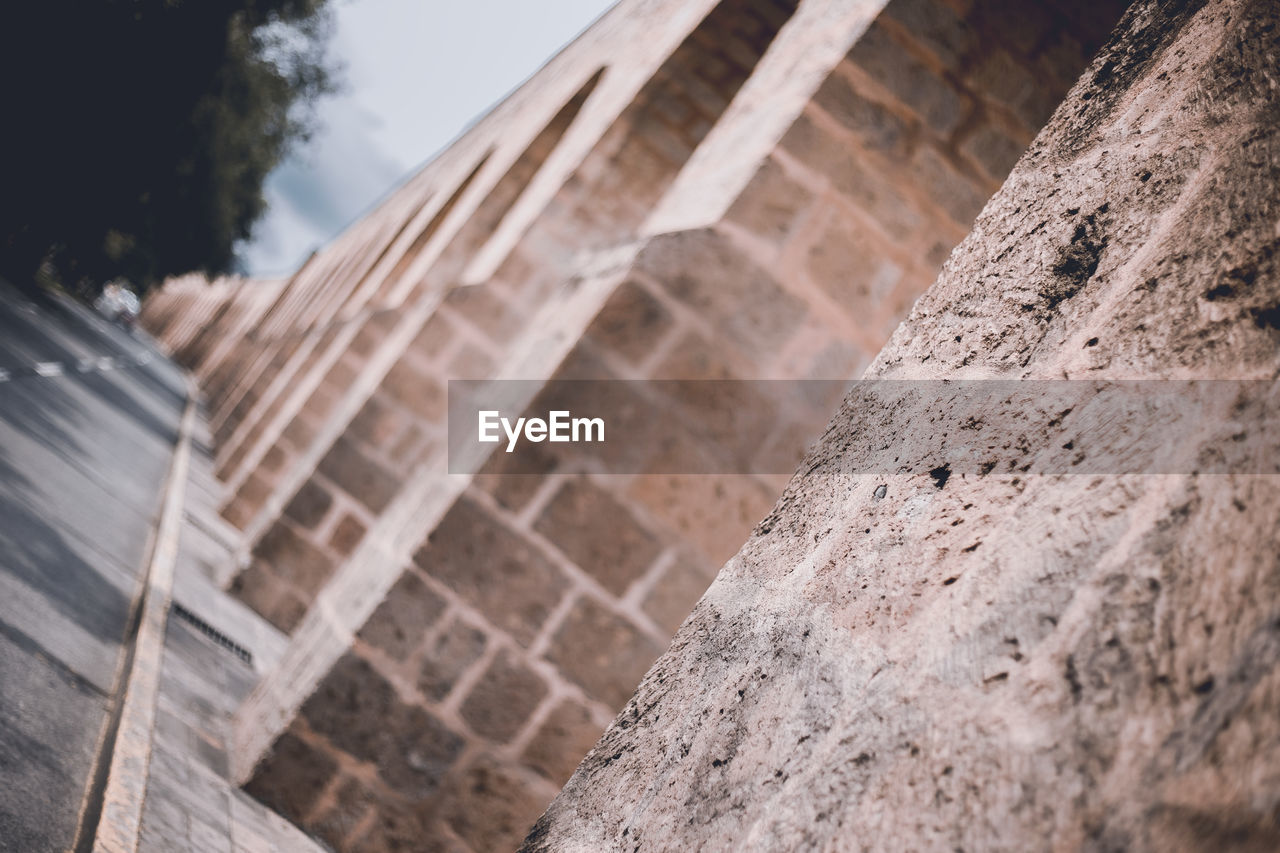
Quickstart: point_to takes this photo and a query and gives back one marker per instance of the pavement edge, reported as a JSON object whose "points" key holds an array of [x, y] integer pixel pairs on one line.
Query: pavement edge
{"points": [[119, 823]]}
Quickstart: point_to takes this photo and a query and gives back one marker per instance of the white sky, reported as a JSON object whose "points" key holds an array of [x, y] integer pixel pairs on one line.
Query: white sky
{"points": [[416, 73]]}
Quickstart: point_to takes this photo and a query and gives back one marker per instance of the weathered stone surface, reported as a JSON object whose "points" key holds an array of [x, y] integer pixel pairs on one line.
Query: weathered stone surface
{"points": [[309, 505], [416, 751], [292, 558], [630, 323], [492, 567], [491, 807], [454, 650], [347, 533], [1005, 661], [292, 776], [351, 708], [399, 624], [601, 651], [560, 743], [359, 475], [503, 699], [599, 534]]}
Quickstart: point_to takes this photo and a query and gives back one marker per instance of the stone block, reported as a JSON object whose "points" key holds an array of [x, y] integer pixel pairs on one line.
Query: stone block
{"points": [[848, 265], [372, 332], [739, 299], [959, 196], [376, 423], [416, 752], [423, 395], [291, 776], [358, 475], [433, 337], [351, 707], [491, 808], [992, 149], [936, 26], [1002, 79], [273, 460], [598, 533], [292, 558], [450, 654], [346, 535], [849, 175], [256, 587], [351, 801], [631, 322], [486, 310], [344, 372], [500, 703], [714, 513], [678, 588], [400, 622], [492, 567], [322, 400], [300, 432], [397, 828], [874, 125], [912, 82], [512, 479], [287, 611], [601, 651], [239, 511], [729, 418], [469, 362], [309, 505], [770, 205], [565, 736]]}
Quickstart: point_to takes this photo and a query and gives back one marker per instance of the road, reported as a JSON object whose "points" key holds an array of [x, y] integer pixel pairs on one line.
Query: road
{"points": [[88, 422]]}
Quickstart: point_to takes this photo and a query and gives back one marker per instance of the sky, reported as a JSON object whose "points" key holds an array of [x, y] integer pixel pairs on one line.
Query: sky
{"points": [[415, 73]]}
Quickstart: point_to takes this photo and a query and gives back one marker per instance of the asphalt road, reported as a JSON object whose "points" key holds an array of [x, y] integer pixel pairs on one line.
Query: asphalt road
{"points": [[89, 419]]}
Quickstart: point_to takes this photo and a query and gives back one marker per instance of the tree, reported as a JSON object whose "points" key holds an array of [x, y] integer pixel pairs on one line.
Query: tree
{"points": [[139, 132]]}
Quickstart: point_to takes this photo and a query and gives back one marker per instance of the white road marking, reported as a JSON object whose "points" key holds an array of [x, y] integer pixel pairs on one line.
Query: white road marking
{"points": [[84, 365]]}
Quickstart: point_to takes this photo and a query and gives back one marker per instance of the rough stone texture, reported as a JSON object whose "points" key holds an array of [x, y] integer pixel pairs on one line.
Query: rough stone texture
{"points": [[565, 736], [491, 567], [1005, 661], [599, 534], [502, 701]]}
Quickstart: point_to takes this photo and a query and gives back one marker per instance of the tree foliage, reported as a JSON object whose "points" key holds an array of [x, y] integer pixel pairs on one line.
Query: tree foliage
{"points": [[139, 132]]}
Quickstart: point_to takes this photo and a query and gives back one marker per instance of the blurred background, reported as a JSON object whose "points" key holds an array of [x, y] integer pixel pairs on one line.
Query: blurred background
{"points": [[159, 137]]}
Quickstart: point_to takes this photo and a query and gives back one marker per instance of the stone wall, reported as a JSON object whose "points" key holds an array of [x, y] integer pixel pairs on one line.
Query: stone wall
{"points": [[1006, 659], [460, 641]]}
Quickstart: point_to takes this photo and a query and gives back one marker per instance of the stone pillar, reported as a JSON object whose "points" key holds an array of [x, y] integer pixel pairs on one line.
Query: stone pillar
{"points": [[1009, 660], [306, 507]]}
